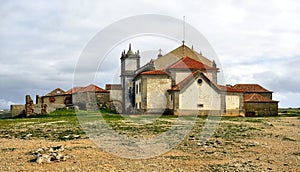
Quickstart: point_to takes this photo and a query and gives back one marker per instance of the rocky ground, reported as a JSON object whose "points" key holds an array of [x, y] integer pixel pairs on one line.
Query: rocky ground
{"points": [[239, 144]]}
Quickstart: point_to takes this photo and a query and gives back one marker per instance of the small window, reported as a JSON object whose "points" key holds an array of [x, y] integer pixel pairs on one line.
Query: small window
{"points": [[199, 81], [140, 105], [200, 105], [51, 99]]}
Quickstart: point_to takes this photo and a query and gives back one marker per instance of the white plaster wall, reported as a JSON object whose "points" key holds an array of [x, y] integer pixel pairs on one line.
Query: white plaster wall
{"points": [[232, 102], [200, 94], [188, 98], [209, 97]]}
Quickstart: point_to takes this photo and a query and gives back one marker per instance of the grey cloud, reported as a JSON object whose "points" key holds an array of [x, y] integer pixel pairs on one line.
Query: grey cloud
{"points": [[41, 41], [283, 78]]}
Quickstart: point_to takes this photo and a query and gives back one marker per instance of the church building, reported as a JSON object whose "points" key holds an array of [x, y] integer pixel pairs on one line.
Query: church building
{"points": [[184, 82], [181, 82]]}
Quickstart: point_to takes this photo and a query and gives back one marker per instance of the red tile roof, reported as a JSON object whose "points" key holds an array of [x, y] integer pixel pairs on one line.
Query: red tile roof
{"points": [[254, 97], [89, 88], [192, 76], [92, 88], [189, 63], [228, 89], [251, 88], [154, 72], [73, 90]]}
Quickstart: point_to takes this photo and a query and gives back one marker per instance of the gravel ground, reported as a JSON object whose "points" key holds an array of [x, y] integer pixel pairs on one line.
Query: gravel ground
{"points": [[247, 144]]}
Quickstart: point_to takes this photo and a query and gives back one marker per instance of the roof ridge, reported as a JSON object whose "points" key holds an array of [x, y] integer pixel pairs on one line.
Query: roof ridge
{"points": [[250, 88], [154, 72], [189, 63], [255, 97]]}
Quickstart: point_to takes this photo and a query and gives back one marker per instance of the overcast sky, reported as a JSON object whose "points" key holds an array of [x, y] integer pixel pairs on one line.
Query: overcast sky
{"points": [[41, 41]]}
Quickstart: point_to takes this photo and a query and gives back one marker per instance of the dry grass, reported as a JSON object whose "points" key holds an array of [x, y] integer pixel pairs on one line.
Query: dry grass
{"points": [[238, 144]]}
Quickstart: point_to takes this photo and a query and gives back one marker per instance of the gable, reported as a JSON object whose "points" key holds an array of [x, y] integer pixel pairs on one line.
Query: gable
{"points": [[257, 98], [200, 94], [93, 88], [55, 92], [193, 77], [189, 63], [177, 54]]}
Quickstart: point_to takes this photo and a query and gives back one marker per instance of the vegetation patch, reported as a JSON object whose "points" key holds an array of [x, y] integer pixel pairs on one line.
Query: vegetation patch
{"points": [[59, 125], [289, 112], [234, 131]]}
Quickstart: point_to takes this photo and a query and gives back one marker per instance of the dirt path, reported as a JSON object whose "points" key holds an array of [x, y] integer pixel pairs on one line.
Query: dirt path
{"points": [[270, 144]]}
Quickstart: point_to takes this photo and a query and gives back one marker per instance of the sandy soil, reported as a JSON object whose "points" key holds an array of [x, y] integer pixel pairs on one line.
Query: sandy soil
{"points": [[274, 147]]}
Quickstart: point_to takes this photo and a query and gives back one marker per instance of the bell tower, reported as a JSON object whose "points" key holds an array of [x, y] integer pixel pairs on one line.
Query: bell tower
{"points": [[130, 62]]}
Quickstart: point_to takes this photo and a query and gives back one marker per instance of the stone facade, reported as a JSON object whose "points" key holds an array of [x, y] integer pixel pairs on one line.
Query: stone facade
{"points": [[29, 106], [17, 110], [257, 100], [90, 97], [261, 108]]}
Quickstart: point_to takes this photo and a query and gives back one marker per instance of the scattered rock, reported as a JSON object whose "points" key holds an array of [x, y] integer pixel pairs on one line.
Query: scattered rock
{"points": [[268, 123], [253, 144], [49, 154], [28, 135]]}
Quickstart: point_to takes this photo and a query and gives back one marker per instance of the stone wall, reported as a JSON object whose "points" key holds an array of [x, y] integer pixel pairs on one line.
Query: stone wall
{"points": [[90, 100], [58, 99], [115, 95], [17, 110], [261, 109], [50, 108]]}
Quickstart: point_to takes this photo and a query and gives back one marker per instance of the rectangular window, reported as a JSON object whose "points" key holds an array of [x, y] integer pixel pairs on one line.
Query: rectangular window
{"points": [[200, 105], [140, 105], [136, 89], [140, 88]]}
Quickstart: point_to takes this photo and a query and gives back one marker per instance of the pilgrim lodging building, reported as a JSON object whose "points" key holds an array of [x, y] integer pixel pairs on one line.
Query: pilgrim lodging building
{"points": [[184, 82]]}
